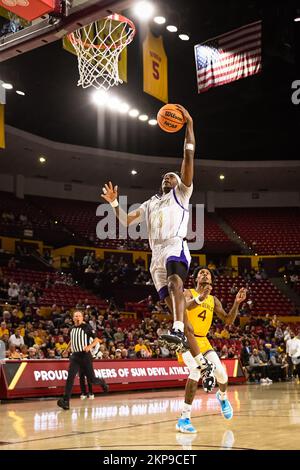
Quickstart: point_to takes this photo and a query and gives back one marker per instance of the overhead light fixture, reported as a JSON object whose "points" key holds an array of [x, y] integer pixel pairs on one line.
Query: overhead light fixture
{"points": [[7, 86], [124, 107], [114, 103], [159, 20], [172, 28], [297, 19], [42, 159], [222, 177], [184, 37], [143, 117], [143, 10], [56, 222], [133, 172], [133, 113], [19, 92], [100, 97], [152, 122]]}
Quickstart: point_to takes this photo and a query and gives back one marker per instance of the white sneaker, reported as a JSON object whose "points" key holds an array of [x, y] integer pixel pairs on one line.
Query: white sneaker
{"points": [[83, 397], [269, 381], [263, 381], [91, 397]]}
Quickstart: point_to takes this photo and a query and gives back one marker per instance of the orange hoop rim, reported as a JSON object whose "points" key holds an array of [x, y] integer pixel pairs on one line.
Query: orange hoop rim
{"points": [[115, 17]]}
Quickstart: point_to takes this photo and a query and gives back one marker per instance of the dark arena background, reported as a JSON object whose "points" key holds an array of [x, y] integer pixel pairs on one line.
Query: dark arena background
{"points": [[235, 67]]}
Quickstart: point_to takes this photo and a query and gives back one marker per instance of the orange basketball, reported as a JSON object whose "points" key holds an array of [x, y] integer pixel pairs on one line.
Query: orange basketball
{"points": [[170, 119]]}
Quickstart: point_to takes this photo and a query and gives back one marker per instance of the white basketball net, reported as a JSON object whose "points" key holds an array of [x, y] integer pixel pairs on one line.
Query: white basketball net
{"points": [[98, 47]]}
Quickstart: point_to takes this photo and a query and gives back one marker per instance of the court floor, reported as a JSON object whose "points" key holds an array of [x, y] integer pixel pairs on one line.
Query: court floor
{"points": [[266, 417]]}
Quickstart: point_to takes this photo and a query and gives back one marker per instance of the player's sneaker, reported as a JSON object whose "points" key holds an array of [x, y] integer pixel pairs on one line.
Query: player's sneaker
{"points": [[208, 377], [226, 408], [83, 397], [263, 381], [184, 425], [91, 396], [63, 403], [269, 381], [175, 341]]}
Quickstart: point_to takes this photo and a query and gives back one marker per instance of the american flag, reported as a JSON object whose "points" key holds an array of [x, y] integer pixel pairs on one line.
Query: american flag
{"points": [[229, 57]]}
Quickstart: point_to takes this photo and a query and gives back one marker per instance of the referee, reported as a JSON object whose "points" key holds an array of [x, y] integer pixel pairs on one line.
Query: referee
{"points": [[81, 358]]}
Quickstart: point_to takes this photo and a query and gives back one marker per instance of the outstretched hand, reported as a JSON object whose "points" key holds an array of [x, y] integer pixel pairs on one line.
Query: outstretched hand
{"points": [[187, 117], [241, 295], [109, 192]]}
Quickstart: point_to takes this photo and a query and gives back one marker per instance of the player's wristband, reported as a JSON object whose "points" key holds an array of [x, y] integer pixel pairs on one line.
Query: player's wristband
{"points": [[198, 301], [189, 147], [114, 203]]}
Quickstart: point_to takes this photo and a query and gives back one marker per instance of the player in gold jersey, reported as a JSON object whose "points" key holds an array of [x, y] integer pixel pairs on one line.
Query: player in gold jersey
{"points": [[201, 307]]}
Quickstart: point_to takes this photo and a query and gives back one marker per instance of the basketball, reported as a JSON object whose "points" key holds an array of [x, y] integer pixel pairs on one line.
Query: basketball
{"points": [[170, 118]]}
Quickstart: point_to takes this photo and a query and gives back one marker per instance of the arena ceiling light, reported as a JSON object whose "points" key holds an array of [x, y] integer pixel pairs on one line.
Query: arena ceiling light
{"points": [[133, 172], [133, 113], [114, 104], [19, 92], [143, 10], [152, 122], [42, 159], [7, 86], [143, 117], [297, 19], [222, 177], [172, 28], [184, 37], [99, 97], [124, 107], [159, 20]]}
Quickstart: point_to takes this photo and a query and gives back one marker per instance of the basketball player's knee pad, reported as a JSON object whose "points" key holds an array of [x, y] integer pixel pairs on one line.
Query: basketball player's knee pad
{"points": [[221, 374], [194, 374]]}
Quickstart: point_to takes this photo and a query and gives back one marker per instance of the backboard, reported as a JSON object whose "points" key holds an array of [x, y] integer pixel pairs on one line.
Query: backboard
{"points": [[18, 37]]}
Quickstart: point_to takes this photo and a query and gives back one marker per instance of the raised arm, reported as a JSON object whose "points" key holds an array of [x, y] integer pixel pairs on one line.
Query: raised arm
{"points": [[187, 167], [110, 194], [229, 318]]}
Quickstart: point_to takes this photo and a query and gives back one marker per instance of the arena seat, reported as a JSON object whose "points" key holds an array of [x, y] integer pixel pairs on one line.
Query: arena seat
{"points": [[266, 230]]}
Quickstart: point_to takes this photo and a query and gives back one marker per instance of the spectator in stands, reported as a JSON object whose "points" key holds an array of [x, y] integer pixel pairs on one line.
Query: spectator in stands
{"points": [[3, 329], [257, 368], [24, 352], [263, 356], [13, 291], [234, 289], [33, 353], [61, 345], [12, 352], [119, 335], [224, 352], [279, 365], [225, 332], [16, 339], [278, 333], [288, 349], [287, 334]]}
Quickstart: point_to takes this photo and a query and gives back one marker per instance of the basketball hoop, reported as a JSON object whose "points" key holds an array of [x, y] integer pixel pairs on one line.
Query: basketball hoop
{"points": [[98, 47]]}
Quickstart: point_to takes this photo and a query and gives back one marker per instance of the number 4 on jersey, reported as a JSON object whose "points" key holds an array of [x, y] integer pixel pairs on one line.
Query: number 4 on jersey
{"points": [[202, 315]]}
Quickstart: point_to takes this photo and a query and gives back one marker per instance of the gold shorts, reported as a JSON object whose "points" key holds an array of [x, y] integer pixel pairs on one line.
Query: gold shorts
{"points": [[204, 344]]}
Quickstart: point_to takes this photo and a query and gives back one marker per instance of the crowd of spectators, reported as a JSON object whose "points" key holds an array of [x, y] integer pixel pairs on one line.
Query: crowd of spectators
{"points": [[260, 344]]}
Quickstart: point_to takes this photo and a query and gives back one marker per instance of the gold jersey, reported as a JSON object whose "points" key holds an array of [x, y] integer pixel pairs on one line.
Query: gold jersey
{"points": [[201, 316]]}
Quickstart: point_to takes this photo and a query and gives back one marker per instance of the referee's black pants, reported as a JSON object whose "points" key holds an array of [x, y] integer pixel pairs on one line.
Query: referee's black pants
{"points": [[83, 362]]}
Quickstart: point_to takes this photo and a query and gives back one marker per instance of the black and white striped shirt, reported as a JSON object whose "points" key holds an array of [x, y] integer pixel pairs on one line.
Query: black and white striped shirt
{"points": [[80, 337]]}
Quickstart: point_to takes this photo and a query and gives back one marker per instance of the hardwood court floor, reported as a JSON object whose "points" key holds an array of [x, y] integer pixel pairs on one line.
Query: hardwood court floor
{"points": [[266, 417]]}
